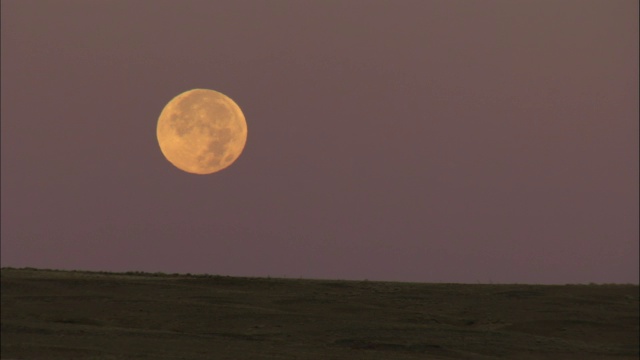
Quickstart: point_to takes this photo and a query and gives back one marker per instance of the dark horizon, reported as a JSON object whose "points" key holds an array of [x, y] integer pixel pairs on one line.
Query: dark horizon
{"points": [[419, 141], [284, 277]]}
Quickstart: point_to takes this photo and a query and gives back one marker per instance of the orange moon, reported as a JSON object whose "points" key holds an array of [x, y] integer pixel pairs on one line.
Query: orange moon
{"points": [[201, 131]]}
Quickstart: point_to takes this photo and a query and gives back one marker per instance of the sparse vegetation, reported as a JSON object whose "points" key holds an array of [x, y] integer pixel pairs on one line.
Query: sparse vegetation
{"points": [[134, 315]]}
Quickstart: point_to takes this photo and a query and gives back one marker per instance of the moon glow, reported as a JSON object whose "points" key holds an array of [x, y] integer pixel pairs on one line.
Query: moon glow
{"points": [[201, 131]]}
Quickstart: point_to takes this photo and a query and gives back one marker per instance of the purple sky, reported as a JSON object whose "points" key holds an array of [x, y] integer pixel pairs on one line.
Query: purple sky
{"points": [[427, 140]]}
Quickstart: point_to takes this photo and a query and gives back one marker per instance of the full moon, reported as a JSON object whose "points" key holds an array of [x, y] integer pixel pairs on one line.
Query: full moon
{"points": [[201, 131]]}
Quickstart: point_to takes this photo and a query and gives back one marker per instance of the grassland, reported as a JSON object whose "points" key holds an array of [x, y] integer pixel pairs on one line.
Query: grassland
{"points": [[83, 315]]}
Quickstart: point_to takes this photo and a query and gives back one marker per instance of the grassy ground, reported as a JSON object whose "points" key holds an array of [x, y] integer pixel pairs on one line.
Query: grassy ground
{"points": [[83, 315]]}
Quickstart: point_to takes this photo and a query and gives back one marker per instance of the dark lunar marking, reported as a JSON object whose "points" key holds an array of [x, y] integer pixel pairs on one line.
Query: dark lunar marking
{"points": [[214, 162], [180, 125], [223, 135], [226, 112], [221, 110], [217, 146], [189, 103]]}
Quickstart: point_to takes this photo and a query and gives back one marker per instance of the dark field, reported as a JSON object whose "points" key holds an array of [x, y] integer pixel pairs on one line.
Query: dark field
{"points": [[83, 315]]}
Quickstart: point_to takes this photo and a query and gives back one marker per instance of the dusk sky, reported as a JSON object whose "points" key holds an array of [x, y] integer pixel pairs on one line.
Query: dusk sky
{"points": [[427, 140]]}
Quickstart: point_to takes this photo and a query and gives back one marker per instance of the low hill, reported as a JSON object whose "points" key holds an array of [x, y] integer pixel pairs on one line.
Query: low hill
{"points": [[50, 314]]}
